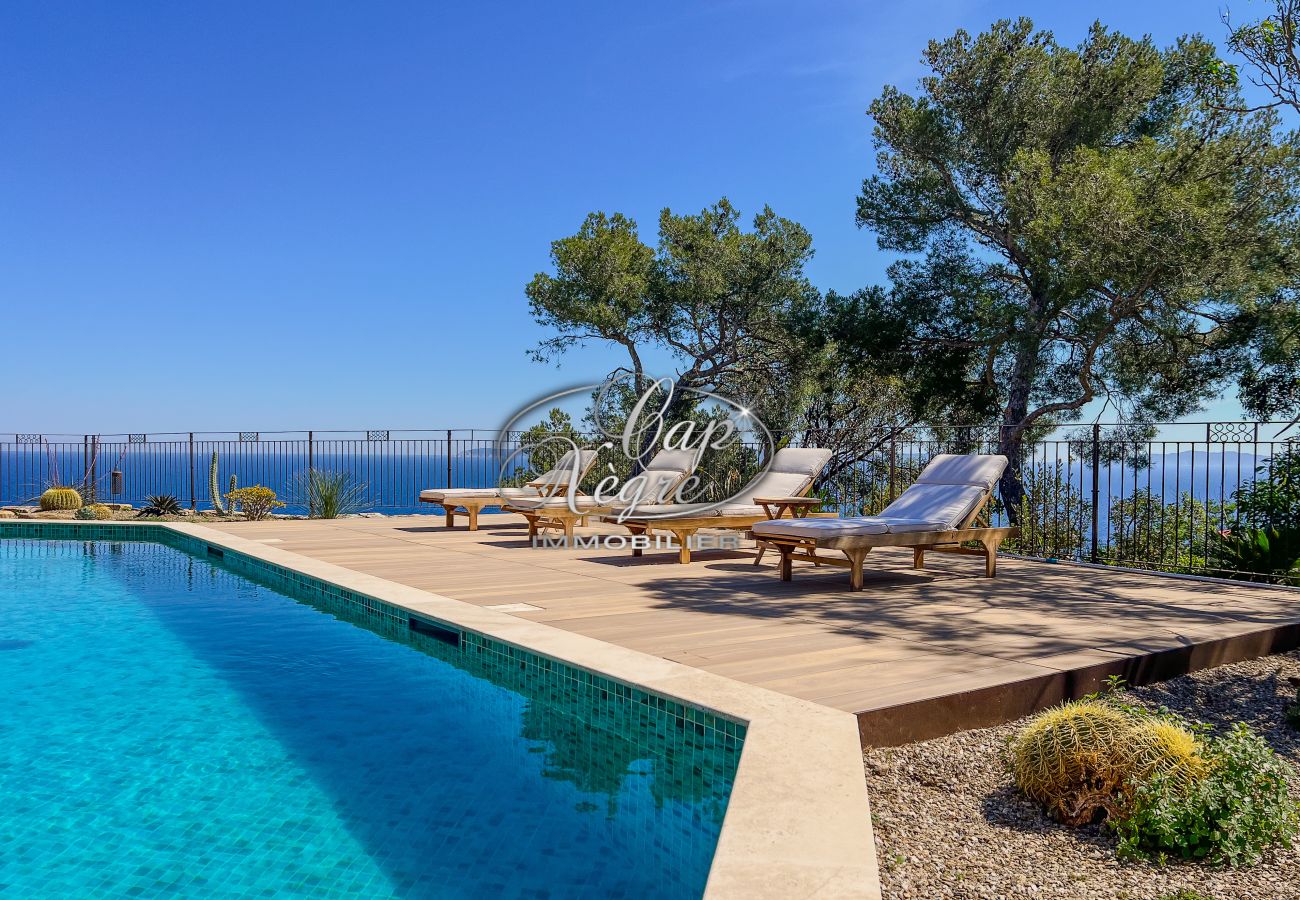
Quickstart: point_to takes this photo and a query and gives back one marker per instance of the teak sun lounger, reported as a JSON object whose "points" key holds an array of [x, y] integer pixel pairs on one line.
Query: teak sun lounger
{"points": [[474, 500], [939, 512], [790, 475], [558, 511]]}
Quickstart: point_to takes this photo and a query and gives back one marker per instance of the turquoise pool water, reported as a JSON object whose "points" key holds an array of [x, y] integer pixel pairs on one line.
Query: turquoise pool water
{"points": [[173, 727]]}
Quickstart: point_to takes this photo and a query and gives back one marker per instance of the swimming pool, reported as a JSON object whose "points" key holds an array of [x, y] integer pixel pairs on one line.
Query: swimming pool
{"points": [[186, 724]]}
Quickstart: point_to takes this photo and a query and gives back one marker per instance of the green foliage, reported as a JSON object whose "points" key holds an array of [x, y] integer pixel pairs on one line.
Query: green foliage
{"points": [[213, 492], [1258, 554], [1052, 514], [256, 502], [1174, 535], [1272, 499], [1185, 894], [328, 495], [160, 505], [86, 512], [60, 498], [1240, 809], [94, 511], [1079, 222]]}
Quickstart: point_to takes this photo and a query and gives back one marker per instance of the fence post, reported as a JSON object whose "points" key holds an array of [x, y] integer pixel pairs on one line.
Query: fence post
{"points": [[194, 502], [449, 457], [893, 461], [311, 464], [94, 466], [1095, 555], [85, 464]]}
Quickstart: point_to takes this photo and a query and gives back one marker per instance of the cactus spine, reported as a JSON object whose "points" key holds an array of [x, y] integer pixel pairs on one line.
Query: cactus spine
{"points": [[213, 490]]}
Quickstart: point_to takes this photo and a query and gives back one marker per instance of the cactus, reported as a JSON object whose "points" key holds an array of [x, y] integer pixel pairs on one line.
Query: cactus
{"points": [[1078, 758], [1168, 748], [213, 492], [1074, 759], [60, 498], [101, 511], [234, 484], [86, 512]]}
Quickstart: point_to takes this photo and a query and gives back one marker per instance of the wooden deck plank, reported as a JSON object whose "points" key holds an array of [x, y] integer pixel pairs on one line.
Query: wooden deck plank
{"points": [[910, 637]]}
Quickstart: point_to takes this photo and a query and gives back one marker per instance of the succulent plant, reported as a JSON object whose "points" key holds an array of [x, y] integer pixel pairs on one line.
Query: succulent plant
{"points": [[101, 511], [86, 512], [60, 498], [1165, 747], [161, 505], [213, 491], [1074, 759], [1078, 759]]}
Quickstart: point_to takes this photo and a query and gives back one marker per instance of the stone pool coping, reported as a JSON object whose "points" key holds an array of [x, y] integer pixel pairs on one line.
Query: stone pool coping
{"points": [[798, 820]]}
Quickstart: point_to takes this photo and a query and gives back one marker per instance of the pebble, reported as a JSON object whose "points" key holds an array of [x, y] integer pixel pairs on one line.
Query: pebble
{"points": [[949, 822]]}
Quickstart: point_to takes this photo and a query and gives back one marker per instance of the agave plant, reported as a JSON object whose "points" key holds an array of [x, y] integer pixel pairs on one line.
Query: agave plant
{"points": [[161, 505], [328, 495]]}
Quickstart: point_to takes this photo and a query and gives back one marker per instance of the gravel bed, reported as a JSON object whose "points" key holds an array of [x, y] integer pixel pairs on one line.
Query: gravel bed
{"points": [[949, 822]]}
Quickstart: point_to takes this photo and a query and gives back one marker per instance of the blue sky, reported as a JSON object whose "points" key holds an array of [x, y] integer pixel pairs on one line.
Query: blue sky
{"points": [[281, 216]]}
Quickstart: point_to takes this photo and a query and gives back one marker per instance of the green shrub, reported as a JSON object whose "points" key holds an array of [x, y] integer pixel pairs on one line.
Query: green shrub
{"points": [[1259, 554], [1232, 816], [1186, 894], [60, 498], [256, 501]]}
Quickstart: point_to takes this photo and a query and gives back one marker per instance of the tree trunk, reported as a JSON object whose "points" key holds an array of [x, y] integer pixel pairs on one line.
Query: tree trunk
{"points": [[1011, 434]]}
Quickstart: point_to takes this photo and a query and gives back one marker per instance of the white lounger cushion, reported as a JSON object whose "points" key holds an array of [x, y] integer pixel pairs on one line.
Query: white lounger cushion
{"points": [[561, 474], [813, 529], [792, 470], [563, 470], [983, 470], [948, 504], [509, 493], [558, 502]]}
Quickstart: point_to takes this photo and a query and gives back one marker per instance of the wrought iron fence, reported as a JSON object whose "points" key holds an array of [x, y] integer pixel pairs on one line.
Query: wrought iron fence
{"points": [[1159, 501]]}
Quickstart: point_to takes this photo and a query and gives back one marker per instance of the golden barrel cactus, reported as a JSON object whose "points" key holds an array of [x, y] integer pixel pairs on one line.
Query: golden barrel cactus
{"points": [[1167, 748], [1077, 758], [60, 498]]}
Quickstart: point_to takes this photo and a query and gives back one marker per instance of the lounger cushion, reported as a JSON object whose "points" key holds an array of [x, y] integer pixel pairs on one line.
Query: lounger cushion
{"points": [[678, 461], [778, 484], [563, 470], [559, 502], [660, 510], [814, 529], [510, 493], [808, 461], [949, 504], [983, 470]]}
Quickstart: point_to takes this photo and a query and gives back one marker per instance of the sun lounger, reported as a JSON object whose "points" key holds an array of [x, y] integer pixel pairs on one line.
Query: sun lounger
{"points": [[939, 512], [474, 500], [790, 476], [561, 512]]}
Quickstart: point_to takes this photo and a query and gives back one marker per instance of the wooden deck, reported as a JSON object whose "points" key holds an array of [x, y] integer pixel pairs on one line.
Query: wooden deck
{"points": [[915, 654]]}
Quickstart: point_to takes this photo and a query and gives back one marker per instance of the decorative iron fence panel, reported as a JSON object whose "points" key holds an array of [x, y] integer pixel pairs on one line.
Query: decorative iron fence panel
{"points": [[1155, 501]]}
